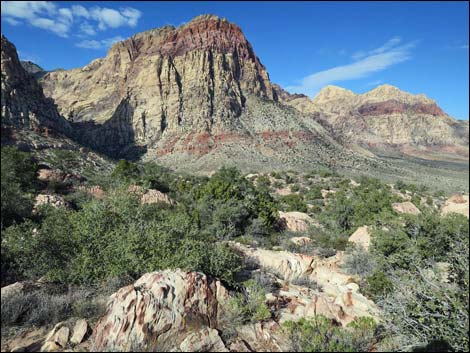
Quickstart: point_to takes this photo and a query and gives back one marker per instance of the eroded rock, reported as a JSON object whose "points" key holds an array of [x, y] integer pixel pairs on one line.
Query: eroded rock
{"points": [[406, 207]]}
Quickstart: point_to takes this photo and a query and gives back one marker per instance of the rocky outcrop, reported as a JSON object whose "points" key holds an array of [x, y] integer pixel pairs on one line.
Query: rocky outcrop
{"points": [[160, 310], [406, 207], [361, 237], [56, 201], [338, 299], [22, 100], [194, 97], [388, 118], [205, 340], [456, 204], [295, 221]]}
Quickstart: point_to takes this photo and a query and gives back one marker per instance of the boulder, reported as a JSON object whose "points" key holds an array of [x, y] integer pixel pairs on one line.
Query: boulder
{"points": [[456, 204], [155, 196], [262, 337], [79, 331], [361, 237], [406, 207], [56, 201], [157, 309], [295, 221], [205, 340], [339, 298]]}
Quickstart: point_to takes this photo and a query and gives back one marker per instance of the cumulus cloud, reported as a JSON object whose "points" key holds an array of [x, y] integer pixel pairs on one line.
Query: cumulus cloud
{"points": [[111, 18], [61, 20], [366, 63], [99, 44]]}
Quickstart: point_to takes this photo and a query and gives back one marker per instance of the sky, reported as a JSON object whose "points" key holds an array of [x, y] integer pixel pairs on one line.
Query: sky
{"points": [[420, 47]]}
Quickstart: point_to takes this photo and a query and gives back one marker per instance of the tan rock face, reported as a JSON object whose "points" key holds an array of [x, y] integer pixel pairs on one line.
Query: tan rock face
{"points": [[158, 308], [23, 102], [406, 207], [295, 221], [387, 117], [361, 237], [56, 201], [205, 340], [192, 78], [80, 331], [339, 299], [456, 204]]}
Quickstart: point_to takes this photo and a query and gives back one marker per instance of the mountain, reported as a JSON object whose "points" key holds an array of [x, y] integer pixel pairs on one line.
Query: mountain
{"points": [[386, 119], [195, 94], [23, 103]]}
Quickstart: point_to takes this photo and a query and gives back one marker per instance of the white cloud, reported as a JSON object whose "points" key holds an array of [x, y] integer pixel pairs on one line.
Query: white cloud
{"points": [[111, 18], [99, 44], [80, 11], [372, 61], [61, 20], [387, 46], [373, 83], [87, 29]]}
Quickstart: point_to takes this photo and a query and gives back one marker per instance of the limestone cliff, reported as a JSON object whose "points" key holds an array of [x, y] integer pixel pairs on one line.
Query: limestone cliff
{"points": [[23, 102], [387, 117], [193, 94]]}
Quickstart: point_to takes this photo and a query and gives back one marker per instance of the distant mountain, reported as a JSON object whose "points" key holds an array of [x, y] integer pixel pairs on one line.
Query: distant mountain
{"points": [[196, 95], [387, 118]]}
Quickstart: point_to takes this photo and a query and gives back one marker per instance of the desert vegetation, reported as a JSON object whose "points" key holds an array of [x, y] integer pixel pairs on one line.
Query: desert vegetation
{"points": [[416, 269]]}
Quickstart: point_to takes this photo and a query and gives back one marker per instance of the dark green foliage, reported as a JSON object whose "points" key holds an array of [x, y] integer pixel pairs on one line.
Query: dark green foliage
{"points": [[321, 334], [293, 202], [115, 237], [125, 171], [17, 182]]}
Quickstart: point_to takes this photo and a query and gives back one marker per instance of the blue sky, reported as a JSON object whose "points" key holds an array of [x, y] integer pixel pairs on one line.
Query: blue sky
{"points": [[420, 47]]}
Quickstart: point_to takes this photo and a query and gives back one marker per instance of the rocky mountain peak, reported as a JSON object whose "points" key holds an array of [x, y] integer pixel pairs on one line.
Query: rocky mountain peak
{"points": [[22, 100], [388, 92], [331, 92]]}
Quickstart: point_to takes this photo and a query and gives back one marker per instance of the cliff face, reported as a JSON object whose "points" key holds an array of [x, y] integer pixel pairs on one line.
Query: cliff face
{"points": [[194, 78], [23, 102], [195, 95], [387, 117]]}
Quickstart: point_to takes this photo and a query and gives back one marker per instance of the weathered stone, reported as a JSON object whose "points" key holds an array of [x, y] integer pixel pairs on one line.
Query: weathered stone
{"points": [[361, 237], [61, 337], [80, 331], [406, 207], [456, 204], [205, 340], [295, 221], [157, 308]]}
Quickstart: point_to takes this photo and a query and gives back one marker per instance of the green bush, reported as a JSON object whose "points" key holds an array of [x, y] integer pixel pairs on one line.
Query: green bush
{"points": [[18, 171], [250, 304], [321, 334], [293, 202]]}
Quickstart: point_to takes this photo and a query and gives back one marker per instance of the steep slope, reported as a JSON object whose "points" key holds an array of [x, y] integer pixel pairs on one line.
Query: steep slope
{"points": [[387, 118], [196, 94], [23, 102]]}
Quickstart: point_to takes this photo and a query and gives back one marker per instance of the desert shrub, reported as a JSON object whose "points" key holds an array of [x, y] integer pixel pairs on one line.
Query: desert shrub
{"points": [[36, 308], [377, 284], [18, 171], [422, 311], [89, 307], [295, 187], [308, 282], [115, 237], [125, 171], [359, 262], [293, 202], [314, 193], [250, 303], [321, 334]]}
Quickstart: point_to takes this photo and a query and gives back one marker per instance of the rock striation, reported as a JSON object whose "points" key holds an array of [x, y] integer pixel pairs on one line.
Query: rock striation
{"points": [[163, 310], [22, 100], [194, 96], [387, 118]]}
